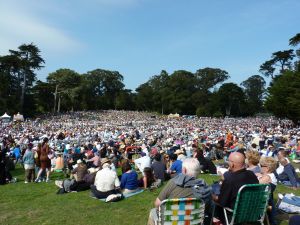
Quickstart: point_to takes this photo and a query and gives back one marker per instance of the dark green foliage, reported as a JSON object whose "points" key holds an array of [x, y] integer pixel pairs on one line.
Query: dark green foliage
{"points": [[284, 96], [231, 100], [254, 88]]}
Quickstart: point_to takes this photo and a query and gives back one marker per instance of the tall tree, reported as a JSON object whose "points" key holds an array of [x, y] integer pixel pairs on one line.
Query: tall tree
{"points": [[254, 88], [232, 99], [294, 41], [9, 86], [30, 60], [283, 97], [65, 83], [281, 59], [105, 85]]}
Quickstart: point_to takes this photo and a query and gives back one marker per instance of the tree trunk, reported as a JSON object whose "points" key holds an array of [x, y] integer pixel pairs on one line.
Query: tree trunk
{"points": [[58, 107], [55, 96], [23, 92]]}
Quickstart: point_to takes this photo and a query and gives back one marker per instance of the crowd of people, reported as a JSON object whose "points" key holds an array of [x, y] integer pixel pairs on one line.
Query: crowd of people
{"points": [[149, 149]]}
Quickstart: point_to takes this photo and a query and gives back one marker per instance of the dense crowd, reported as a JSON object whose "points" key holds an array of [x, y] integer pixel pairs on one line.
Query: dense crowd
{"points": [[89, 147]]}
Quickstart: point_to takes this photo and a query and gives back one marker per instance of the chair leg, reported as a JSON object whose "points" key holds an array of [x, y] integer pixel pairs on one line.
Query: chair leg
{"points": [[226, 218], [266, 220]]}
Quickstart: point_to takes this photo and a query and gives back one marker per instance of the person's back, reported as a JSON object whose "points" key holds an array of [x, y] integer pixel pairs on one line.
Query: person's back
{"points": [[185, 185], [106, 180], [129, 180], [231, 185], [158, 167], [237, 177]]}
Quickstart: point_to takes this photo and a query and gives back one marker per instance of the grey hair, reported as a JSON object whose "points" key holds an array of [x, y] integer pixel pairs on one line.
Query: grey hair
{"points": [[192, 166]]}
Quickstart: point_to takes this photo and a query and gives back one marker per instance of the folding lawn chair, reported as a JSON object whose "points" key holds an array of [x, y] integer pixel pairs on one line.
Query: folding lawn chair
{"points": [[250, 205], [182, 211]]}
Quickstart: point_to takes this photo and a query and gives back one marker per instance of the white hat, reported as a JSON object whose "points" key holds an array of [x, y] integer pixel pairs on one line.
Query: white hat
{"points": [[79, 161]]}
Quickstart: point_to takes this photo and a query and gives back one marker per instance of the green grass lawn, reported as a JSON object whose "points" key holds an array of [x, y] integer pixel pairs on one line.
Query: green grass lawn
{"points": [[38, 203]]}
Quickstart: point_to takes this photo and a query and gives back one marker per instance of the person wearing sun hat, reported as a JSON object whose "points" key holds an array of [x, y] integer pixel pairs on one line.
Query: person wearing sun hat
{"points": [[106, 181]]}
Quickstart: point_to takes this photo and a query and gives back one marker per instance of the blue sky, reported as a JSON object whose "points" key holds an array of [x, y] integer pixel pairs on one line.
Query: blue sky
{"points": [[139, 38]]}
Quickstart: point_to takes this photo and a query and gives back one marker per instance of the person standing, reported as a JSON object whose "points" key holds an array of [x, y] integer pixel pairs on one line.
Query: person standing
{"points": [[28, 160], [44, 160]]}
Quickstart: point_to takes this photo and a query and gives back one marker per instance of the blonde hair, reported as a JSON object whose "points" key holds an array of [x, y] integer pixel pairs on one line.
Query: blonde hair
{"points": [[253, 157], [269, 162]]}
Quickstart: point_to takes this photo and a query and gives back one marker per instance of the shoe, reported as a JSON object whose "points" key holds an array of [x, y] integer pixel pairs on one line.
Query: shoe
{"points": [[47, 180], [37, 180], [26, 182]]}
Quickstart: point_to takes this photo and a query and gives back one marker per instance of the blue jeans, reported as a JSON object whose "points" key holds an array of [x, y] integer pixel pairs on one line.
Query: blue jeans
{"points": [[288, 183]]}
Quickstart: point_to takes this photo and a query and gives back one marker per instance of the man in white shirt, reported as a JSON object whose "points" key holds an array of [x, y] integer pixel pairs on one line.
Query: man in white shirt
{"points": [[106, 181], [143, 162]]}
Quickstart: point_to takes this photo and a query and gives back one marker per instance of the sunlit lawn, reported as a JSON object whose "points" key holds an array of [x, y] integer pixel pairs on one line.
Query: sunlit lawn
{"points": [[38, 203]]}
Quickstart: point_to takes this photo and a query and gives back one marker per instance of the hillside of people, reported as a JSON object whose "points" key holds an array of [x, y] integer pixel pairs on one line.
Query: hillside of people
{"points": [[122, 155]]}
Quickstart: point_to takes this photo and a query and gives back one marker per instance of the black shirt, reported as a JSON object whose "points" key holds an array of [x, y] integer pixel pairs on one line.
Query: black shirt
{"points": [[231, 185]]}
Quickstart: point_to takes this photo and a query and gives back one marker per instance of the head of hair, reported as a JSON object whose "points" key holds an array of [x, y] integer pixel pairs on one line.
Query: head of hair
{"points": [[157, 157], [253, 157], [283, 161], [191, 166], [173, 157], [199, 153], [45, 140], [269, 162], [282, 153], [126, 166]]}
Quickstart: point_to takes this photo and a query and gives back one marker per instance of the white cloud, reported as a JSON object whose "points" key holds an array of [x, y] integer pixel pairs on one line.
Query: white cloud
{"points": [[20, 24]]}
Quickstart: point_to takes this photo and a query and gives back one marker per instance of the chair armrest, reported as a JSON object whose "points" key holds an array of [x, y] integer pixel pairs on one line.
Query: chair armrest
{"points": [[228, 209]]}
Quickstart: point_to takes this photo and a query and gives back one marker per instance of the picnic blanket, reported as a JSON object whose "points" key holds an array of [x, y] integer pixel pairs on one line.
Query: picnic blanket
{"points": [[290, 204]]}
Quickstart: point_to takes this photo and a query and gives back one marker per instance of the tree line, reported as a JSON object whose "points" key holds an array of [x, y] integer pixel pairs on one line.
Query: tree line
{"points": [[204, 92]]}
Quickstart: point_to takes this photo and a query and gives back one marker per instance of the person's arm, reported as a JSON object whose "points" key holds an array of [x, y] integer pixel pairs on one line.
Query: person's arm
{"points": [[164, 194], [225, 194], [157, 203], [123, 181], [145, 182], [117, 182]]}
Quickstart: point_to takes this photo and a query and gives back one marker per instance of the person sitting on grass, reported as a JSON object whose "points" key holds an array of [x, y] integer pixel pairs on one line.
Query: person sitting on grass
{"points": [[207, 166], [79, 171], [289, 176], [129, 179], [159, 167], [106, 181], [148, 179], [268, 166], [252, 160], [176, 166]]}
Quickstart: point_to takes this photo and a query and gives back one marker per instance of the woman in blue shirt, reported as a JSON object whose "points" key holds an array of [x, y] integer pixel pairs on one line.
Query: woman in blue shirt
{"points": [[129, 180]]}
